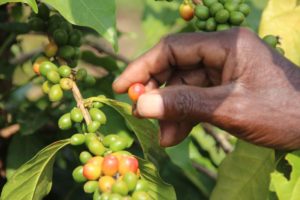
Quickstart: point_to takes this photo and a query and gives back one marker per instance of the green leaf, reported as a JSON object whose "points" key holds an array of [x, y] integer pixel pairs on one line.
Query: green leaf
{"points": [[245, 173], [31, 3], [145, 130], [33, 180], [158, 189], [284, 188], [96, 14], [27, 146], [282, 18], [179, 155]]}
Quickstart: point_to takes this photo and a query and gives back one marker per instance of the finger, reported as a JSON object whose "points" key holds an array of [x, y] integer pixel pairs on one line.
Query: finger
{"points": [[184, 51], [172, 133], [191, 103], [195, 77]]}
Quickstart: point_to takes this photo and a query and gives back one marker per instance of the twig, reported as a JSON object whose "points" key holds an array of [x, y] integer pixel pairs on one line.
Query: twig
{"points": [[7, 42], [80, 103], [221, 141], [9, 131], [205, 171], [101, 47], [24, 57]]}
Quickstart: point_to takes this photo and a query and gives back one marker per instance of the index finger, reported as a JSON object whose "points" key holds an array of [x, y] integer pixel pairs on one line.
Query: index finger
{"points": [[181, 51]]}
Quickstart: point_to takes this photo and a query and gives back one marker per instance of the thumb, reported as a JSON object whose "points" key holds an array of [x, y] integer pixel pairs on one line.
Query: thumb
{"points": [[191, 103]]}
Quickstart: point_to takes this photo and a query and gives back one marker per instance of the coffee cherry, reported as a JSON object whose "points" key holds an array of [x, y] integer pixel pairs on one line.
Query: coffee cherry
{"points": [[76, 115], [46, 87], [236, 18], [36, 24], [96, 147], [90, 137], [60, 36], [78, 175], [64, 71], [110, 165], [55, 93], [84, 157], [46, 66], [75, 38], [105, 183], [280, 50], [231, 6], [209, 2], [186, 11], [211, 24], [53, 76], [135, 91], [202, 12], [77, 139], [130, 179], [215, 7], [140, 195], [97, 115], [97, 105], [97, 195], [50, 49], [109, 139], [43, 11], [201, 25], [128, 164], [37, 63], [141, 185], [91, 172], [81, 74], [90, 187], [66, 83], [115, 197], [97, 161], [119, 144], [65, 122], [66, 52], [66, 26], [271, 40], [245, 9], [93, 126], [222, 16], [120, 187], [105, 196], [89, 80], [223, 27]]}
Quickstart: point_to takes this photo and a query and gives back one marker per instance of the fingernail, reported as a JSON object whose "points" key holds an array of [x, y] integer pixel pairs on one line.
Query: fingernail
{"points": [[150, 105]]}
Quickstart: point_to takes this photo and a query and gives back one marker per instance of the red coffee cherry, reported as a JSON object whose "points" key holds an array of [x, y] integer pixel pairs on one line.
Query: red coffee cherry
{"points": [[135, 91]]}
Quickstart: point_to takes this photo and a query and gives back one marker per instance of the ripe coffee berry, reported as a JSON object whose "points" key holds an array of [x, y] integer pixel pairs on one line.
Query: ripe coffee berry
{"points": [[135, 91], [186, 11]]}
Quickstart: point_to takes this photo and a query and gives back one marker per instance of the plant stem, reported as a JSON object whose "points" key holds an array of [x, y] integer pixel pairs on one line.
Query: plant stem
{"points": [[80, 103], [7, 42]]}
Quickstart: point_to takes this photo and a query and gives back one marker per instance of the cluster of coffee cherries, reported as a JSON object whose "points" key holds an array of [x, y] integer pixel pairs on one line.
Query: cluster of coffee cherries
{"points": [[59, 79], [274, 42], [215, 15], [106, 171], [64, 39]]}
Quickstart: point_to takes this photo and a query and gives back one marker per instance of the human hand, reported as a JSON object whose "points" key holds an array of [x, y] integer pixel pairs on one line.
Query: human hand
{"points": [[230, 79]]}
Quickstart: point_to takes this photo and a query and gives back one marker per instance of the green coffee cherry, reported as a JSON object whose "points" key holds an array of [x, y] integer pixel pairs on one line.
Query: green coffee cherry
{"points": [[46, 87], [76, 115], [271, 40], [46, 66], [245, 9], [120, 187], [215, 7], [90, 137], [109, 139], [97, 115], [66, 52], [64, 71], [105, 196], [77, 139], [53, 76], [75, 38], [140, 195], [90, 187], [89, 80], [236, 18], [65, 122], [78, 175], [222, 16], [211, 24], [43, 11], [55, 93], [66, 83], [81, 74], [60, 37], [97, 105], [202, 12], [93, 126], [209, 2], [131, 180], [201, 25], [223, 27], [84, 157], [119, 144], [36, 24], [115, 197], [141, 185], [66, 26], [96, 147], [230, 6]]}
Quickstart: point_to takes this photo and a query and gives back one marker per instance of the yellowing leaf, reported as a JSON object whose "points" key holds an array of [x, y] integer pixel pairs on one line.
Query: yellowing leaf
{"points": [[282, 18]]}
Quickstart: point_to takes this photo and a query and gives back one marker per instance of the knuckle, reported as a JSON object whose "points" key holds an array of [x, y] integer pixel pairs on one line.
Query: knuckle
{"points": [[184, 102]]}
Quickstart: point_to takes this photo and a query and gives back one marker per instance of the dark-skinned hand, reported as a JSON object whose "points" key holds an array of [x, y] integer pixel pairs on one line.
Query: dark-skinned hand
{"points": [[230, 79]]}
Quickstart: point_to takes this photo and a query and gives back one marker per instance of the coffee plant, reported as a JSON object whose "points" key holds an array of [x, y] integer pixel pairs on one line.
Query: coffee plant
{"points": [[64, 134]]}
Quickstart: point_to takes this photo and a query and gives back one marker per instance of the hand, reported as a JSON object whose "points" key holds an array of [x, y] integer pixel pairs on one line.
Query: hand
{"points": [[230, 79]]}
